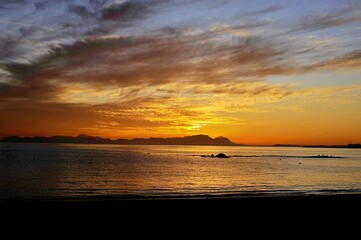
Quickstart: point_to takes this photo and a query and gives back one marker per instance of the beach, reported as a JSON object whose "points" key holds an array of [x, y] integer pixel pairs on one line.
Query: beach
{"points": [[261, 216], [345, 204], [225, 217]]}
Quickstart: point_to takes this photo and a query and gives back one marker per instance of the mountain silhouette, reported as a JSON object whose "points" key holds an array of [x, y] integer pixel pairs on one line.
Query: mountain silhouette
{"points": [[86, 139]]}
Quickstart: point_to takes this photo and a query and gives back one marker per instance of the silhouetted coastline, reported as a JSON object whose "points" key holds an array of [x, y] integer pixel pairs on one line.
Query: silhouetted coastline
{"points": [[85, 139], [202, 140]]}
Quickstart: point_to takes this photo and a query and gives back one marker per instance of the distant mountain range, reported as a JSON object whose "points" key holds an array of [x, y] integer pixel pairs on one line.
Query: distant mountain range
{"points": [[85, 139], [204, 140]]}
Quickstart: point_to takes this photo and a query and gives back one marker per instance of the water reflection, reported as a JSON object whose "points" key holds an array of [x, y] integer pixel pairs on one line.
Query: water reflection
{"points": [[63, 170]]}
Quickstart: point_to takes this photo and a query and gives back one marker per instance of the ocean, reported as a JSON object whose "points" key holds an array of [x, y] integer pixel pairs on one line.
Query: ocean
{"points": [[62, 171]]}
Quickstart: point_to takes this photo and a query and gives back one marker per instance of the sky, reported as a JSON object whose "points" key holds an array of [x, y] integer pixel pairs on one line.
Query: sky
{"points": [[257, 72]]}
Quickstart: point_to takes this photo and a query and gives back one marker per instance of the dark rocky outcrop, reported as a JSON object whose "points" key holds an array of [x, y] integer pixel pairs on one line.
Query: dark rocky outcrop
{"points": [[221, 155]]}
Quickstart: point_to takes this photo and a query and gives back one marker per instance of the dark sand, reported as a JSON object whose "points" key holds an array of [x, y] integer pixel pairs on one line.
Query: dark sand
{"points": [[277, 216], [302, 204]]}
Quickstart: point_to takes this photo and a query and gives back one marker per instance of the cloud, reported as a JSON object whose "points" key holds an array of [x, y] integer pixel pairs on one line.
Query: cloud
{"points": [[148, 114], [11, 1], [126, 11], [343, 16], [150, 61], [45, 24], [243, 45], [348, 61], [80, 10], [7, 47], [98, 65], [328, 91], [149, 82], [266, 10], [39, 5]]}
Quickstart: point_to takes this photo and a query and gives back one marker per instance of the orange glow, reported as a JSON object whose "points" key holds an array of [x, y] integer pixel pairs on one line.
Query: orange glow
{"points": [[294, 119], [248, 77]]}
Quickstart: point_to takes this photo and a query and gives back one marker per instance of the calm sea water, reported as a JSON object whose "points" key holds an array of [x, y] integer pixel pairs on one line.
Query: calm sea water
{"points": [[75, 170]]}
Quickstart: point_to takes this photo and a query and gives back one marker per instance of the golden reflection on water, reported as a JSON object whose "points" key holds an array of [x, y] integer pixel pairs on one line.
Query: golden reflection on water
{"points": [[158, 170], [90, 170]]}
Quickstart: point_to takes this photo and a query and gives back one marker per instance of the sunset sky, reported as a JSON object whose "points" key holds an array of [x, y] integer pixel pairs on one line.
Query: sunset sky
{"points": [[257, 72]]}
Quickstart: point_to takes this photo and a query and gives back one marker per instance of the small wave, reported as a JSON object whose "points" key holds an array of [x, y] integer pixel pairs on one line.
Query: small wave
{"points": [[272, 156], [205, 195]]}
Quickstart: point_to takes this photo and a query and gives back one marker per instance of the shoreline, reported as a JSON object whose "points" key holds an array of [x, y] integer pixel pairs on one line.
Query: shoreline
{"points": [[232, 200], [196, 196]]}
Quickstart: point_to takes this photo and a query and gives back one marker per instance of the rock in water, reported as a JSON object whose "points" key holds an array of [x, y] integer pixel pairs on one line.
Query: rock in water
{"points": [[221, 155]]}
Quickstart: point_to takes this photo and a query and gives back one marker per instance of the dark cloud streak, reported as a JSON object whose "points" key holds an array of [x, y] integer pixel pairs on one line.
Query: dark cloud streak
{"points": [[97, 18], [148, 61], [327, 20], [80, 10], [125, 11], [350, 60], [266, 10]]}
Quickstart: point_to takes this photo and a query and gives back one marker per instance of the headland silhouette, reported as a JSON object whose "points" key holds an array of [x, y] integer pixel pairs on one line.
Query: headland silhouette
{"points": [[86, 139]]}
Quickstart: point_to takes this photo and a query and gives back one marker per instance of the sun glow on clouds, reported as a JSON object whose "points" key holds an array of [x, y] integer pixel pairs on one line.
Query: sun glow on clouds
{"points": [[158, 68]]}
